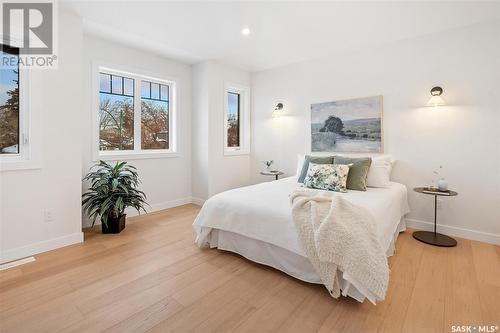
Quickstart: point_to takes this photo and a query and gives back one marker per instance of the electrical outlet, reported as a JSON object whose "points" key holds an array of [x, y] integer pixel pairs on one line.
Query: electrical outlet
{"points": [[48, 215]]}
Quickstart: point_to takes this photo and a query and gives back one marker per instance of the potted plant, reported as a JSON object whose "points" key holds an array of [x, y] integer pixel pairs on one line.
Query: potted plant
{"points": [[268, 164], [112, 189]]}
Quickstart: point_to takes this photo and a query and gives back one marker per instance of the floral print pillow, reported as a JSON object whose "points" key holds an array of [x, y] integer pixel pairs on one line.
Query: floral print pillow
{"points": [[330, 177]]}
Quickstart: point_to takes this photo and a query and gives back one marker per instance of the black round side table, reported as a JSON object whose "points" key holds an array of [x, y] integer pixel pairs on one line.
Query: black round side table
{"points": [[429, 237]]}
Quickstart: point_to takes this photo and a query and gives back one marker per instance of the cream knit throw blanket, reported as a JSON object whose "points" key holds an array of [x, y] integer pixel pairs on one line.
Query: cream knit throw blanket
{"points": [[337, 235]]}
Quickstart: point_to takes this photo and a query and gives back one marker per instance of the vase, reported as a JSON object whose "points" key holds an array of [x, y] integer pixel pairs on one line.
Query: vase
{"points": [[443, 185], [115, 225]]}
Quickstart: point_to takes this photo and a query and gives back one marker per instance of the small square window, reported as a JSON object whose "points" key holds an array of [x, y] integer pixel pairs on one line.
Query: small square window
{"points": [[104, 83], [116, 84], [128, 86], [164, 93], [145, 89], [155, 91]]}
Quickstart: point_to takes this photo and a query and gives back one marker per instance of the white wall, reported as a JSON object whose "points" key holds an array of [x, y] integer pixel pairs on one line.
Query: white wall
{"points": [[200, 132], [56, 99], [463, 137], [218, 172], [166, 181]]}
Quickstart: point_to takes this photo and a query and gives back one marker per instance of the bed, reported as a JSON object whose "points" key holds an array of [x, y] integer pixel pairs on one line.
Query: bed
{"points": [[256, 222]]}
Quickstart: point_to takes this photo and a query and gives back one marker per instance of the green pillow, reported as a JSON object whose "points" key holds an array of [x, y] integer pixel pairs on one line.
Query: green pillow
{"points": [[356, 180], [313, 159]]}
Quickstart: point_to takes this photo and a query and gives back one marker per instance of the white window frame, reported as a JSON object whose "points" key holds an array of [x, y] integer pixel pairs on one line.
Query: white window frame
{"points": [[244, 119], [26, 158], [137, 152]]}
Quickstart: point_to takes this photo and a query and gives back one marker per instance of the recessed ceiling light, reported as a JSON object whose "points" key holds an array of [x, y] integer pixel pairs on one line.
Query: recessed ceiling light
{"points": [[245, 31]]}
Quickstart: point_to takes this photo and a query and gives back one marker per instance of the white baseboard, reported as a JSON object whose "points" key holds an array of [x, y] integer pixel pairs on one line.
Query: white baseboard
{"points": [[455, 231], [198, 201], [43, 246], [15, 263], [162, 206], [51, 244], [155, 208]]}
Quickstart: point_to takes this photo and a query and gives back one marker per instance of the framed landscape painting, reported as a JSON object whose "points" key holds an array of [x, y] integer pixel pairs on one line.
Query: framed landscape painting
{"points": [[353, 125]]}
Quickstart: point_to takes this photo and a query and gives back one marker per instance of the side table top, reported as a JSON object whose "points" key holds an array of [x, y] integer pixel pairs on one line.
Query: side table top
{"points": [[272, 173], [426, 190]]}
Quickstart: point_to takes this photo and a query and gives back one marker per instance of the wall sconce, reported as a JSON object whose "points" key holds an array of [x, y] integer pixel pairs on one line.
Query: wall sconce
{"points": [[436, 99], [278, 110]]}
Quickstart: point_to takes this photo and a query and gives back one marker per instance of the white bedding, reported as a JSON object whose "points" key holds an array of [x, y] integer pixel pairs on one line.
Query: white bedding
{"points": [[262, 212]]}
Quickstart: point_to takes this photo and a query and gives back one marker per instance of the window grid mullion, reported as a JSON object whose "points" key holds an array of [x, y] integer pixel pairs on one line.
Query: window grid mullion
{"points": [[137, 115]]}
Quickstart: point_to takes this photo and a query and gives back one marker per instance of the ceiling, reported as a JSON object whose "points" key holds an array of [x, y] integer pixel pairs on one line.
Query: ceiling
{"points": [[282, 32]]}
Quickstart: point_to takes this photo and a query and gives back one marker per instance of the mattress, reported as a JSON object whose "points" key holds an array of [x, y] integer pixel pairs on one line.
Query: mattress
{"points": [[256, 222]]}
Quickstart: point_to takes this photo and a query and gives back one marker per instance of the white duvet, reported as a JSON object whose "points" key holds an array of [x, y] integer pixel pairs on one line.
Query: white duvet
{"points": [[263, 212]]}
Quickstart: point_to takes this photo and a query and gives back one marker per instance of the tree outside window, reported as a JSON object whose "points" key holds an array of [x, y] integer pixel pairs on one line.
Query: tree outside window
{"points": [[9, 107]]}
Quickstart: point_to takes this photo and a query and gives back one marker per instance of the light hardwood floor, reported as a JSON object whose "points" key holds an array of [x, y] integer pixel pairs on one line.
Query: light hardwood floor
{"points": [[151, 277]]}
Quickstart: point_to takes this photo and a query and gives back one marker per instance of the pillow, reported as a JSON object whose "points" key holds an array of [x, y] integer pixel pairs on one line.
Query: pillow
{"points": [[379, 174], [330, 177], [356, 180], [313, 159], [393, 163], [300, 163]]}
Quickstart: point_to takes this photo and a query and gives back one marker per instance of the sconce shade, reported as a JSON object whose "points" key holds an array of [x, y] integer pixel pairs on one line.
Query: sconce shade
{"points": [[278, 110], [436, 99]]}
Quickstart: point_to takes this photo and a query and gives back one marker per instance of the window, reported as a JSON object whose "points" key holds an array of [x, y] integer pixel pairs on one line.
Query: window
{"points": [[17, 150], [9, 105], [154, 116], [135, 115], [116, 112], [233, 119], [236, 120]]}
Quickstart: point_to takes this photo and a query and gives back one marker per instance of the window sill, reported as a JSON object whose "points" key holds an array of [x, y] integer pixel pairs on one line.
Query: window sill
{"points": [[19, 165], [121, 156]]}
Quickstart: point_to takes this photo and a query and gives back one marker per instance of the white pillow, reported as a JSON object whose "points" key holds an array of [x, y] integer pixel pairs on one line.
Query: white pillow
{"points": [[379, 174], [300, 163]]}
